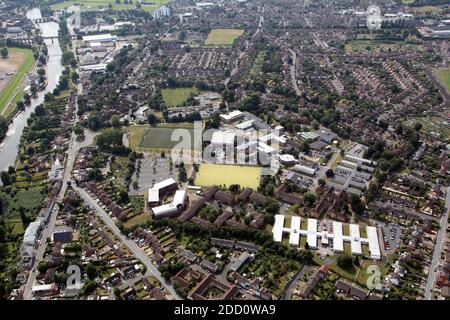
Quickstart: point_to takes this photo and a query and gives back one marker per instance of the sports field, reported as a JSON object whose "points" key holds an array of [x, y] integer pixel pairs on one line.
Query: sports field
{"points": [[226, 175], [19, 61], [92, 5], [223, 37], [444, 76], [177, 96], [159, 138]]}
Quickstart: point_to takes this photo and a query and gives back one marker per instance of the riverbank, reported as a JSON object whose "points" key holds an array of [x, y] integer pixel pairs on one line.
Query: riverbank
{"points": [[9, 146], [32, 153]]}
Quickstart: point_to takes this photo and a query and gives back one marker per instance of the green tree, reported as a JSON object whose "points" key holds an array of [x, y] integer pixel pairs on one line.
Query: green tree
{"points": [[91, 271], [344, 261], [273, 207], [20, 105], [152, 119], [42, 267], [117, 291], [122, 196], [115, 120], [6, 178], [4, 52], [89, 287], [94, 122], [309, 198], [329, 173], [357, 205]]}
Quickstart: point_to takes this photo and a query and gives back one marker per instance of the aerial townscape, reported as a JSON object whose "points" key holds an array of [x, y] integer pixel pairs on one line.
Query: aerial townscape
{"points": [[224, 150]]}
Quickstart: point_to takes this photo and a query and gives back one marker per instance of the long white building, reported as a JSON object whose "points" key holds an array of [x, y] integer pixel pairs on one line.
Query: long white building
{"points": [[337, 237], [176, 206]]}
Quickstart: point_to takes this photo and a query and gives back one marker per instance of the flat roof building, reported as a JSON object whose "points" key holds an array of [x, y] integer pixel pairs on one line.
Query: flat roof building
{"points": [[355, 242], [277, 228], [176, 206], [294, 236], [338, 241], [223, 138], [245, 125], [232, 116], [311, 237], [374, 246], [305, 170], [98, 38]]}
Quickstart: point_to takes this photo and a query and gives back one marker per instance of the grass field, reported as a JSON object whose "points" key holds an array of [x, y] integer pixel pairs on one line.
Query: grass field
{"points": [[23, 59], [137, 220], [226, 175], [379, 46], [147, 139], [92, 5], [177, 96], [444, 76], [429, 9], [30, 199], [223, 37], [16, 225]]}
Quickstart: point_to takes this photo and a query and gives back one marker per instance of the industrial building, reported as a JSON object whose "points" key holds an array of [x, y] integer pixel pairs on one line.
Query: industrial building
{"points": [[104, 39], [304, 170]]}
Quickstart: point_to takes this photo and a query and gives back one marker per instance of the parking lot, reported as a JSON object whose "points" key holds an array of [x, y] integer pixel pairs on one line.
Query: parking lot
{"points": [[153, 169], [392, 234]]}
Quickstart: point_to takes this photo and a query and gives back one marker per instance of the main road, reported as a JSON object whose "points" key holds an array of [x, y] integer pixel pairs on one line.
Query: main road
{"points": [[131, 245], [437, 250], [292, 68], [72, 151], [74, 147]]}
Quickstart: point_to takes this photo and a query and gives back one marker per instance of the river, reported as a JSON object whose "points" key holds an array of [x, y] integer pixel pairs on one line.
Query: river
{"points": [[9, 145]]}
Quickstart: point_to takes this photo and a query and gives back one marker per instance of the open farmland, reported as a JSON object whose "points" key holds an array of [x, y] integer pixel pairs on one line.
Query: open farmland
{"points": [[177, 96], [226, 175], [223, 37], [19, 62]]}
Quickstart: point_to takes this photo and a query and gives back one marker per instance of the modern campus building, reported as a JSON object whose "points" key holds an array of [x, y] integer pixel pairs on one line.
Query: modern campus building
{"points": [[159, 191], [176, 206], [337, 237]]}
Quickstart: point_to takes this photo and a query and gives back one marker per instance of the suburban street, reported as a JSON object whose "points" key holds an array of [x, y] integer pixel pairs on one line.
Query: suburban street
{"points": [[131, 245], [293, 76], [437, 250], [289, 291], [74, 147]]}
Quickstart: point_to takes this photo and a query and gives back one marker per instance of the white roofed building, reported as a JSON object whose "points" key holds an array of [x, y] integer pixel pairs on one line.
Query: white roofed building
{"points": [[176, 206], [305, 170], [99, 38], [232, 116], [337, 236]]}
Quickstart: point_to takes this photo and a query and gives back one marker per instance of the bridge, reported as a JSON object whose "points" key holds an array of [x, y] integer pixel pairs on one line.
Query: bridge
{"points": [[73, 37], [45, 19]]}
